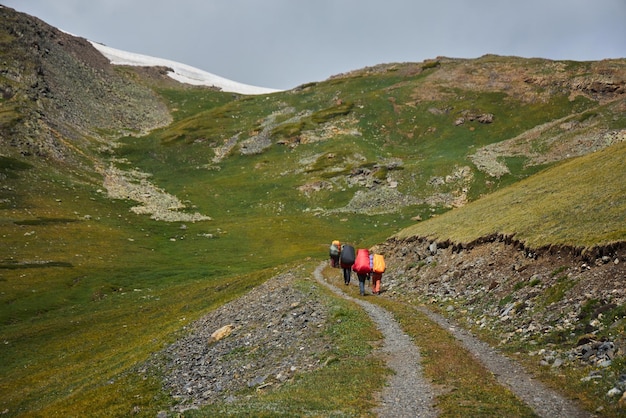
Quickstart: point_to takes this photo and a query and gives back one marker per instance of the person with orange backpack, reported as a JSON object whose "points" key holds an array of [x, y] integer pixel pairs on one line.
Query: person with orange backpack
{"points": [[362, 268], [378, 268]]}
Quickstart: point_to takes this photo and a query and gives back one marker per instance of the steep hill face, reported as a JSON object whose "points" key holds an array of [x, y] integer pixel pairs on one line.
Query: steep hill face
{"points": [[60, 94]]}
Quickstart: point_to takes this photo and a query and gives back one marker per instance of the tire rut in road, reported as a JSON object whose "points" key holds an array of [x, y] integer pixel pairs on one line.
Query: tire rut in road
{"points": [[409, 394], [544, 401]]}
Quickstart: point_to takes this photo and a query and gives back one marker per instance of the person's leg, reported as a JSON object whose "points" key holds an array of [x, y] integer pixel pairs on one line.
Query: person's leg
{"points": [[376, 283], [362, 284]]}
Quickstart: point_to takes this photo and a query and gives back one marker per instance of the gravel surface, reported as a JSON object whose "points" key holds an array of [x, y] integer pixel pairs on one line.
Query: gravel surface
{"points": [[544, 401], [407, 394], [270, 334]]}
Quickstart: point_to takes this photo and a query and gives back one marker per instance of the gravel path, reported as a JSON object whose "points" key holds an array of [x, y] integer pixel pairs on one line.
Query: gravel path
{"points": [[407, 394], [544, 401]]}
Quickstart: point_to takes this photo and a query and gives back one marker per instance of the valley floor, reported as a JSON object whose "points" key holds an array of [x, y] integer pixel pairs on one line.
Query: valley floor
{"points": [[282, 323]]}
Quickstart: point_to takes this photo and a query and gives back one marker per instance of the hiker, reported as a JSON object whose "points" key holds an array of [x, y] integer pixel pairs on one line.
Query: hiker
{"points": [[362, 268], [378, 268], [362, 277], [335, 249], [346, 260]]}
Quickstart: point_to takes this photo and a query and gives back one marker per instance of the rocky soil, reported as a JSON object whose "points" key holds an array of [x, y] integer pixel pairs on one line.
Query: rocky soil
{"points": [[565, 310], [154, 201], [263, 339], [68, 93], [258, 341]]}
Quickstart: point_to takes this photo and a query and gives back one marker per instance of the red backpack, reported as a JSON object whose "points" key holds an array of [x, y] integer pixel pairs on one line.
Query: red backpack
{"points": [[362, 262]]}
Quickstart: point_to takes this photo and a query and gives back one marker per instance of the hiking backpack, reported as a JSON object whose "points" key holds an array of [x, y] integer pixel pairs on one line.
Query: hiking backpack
{"points": [[362, 262], [379, 263], [346, 258], [335, 249]]}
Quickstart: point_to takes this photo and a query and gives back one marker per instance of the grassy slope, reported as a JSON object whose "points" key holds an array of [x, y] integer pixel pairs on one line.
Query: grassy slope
{"points": [[579, 203], [89, 289]]}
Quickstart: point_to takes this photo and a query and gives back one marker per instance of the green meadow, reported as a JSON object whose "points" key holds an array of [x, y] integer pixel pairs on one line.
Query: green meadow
{"points": [[89, 289]]}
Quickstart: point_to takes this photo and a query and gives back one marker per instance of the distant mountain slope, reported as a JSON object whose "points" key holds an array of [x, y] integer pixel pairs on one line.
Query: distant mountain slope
{"points": [[57, 87], [61, 97]]}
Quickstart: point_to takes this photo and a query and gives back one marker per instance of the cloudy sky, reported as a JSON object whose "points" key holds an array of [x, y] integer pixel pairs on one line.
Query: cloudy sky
{"points": [[284, 43]]}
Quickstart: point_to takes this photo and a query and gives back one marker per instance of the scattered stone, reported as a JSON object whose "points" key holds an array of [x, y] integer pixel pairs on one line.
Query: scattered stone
{"points": [[485, 118], [260, 347], [134, 185], [223, 332], [614, 392], [557, 363]]}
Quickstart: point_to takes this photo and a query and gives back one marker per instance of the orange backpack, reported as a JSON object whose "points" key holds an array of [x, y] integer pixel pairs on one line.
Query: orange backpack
{"points": [[379, 263]]}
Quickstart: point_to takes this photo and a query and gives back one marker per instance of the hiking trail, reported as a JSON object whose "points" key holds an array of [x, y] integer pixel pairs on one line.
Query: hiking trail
{"points": [[409, 394]]}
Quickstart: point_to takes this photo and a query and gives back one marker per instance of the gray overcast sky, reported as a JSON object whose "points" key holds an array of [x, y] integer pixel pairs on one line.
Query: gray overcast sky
{"points": [[285, 43]]}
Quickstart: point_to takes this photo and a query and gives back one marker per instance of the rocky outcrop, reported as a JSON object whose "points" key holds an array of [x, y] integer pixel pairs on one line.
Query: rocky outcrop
{"points": [[65, 92]]}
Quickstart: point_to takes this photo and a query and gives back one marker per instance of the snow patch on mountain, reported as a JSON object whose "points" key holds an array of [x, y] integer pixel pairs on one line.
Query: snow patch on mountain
{"points": [[179, 72]]}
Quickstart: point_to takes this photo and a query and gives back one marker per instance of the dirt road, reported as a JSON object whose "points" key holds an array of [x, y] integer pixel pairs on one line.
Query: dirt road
{"points": [[409, 394]]}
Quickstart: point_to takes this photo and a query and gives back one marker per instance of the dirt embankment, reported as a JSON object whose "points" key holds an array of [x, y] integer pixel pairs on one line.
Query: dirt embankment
{"points": [[563, 306]]}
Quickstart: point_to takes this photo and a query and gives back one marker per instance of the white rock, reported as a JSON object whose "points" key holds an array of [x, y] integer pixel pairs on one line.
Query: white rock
{"points": [[614, 392]]}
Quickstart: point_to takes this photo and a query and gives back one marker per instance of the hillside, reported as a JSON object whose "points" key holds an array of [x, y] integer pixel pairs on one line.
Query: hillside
{"points": [[132, 204]]}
